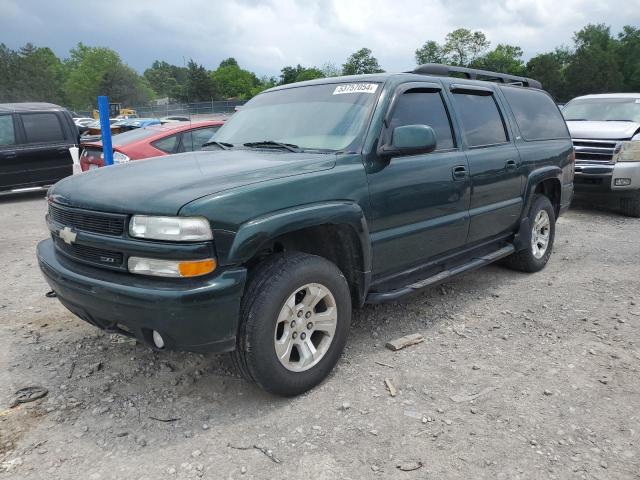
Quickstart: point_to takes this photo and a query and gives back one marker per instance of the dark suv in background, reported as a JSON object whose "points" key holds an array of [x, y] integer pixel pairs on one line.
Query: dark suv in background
{"points": [[319, 196], [34, 145]]}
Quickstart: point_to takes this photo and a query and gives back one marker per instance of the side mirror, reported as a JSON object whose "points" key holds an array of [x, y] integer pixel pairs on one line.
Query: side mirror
{"points": [[409, 140]]}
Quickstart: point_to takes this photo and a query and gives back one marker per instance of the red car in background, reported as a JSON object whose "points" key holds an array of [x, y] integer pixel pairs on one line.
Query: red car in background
{"points": [[152, 141]]}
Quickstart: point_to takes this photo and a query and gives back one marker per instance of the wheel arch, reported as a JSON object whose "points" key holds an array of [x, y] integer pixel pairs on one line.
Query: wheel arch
{"points": [[337, 231], [548, 181]]}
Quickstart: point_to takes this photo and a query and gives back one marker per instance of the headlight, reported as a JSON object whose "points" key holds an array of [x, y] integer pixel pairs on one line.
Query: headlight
{"points": [[178, 229], [119, 157], [628, 151], [171, 268]]}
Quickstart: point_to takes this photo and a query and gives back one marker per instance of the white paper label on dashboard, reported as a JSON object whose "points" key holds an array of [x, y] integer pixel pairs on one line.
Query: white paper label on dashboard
{"points": [[356, 88]]}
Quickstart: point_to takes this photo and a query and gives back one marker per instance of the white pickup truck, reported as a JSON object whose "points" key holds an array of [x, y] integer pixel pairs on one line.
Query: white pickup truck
{"points": [[605, 130]]}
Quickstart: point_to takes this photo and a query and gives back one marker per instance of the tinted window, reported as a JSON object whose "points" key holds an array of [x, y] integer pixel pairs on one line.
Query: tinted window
{"points": [[167, 144], [424, 108], [42, 127], [7, 134], [480, 118], [536, 114], [194, 139], [134, 135]]}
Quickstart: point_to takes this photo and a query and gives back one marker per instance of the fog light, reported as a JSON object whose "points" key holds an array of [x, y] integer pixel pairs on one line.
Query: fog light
{"points": [[158, 340], [622, 182]]}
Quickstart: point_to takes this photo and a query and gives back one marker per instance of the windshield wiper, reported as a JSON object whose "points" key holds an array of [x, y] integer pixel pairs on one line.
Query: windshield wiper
{"points": [[576, 120], [272, 143], [222, 145], [619, 120]]}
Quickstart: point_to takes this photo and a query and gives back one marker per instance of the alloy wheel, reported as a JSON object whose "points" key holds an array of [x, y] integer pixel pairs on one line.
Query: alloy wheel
{"points": [[305, 327], [540, 234]]}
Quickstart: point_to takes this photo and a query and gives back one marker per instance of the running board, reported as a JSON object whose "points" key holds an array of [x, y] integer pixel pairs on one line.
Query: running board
{"points": [[381, 297]]}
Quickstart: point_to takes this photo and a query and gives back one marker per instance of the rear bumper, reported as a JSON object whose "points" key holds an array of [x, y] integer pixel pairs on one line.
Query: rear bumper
{"points": [[194, 315]]}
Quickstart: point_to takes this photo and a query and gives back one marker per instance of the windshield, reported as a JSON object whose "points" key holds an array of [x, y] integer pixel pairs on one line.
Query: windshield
{"points": [[603, 109], [318, 117]]}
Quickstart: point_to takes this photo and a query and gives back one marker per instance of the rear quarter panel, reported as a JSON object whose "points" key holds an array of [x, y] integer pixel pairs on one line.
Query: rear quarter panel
{"points": [[541, 159]]}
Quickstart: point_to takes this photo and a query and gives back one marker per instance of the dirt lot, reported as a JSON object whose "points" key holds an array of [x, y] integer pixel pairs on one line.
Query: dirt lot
{"points": [[552, 358]]}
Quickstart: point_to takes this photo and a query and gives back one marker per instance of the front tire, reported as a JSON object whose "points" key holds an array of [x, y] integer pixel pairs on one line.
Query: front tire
{"points": [[294, 322], [630, 206], [543, 232]]}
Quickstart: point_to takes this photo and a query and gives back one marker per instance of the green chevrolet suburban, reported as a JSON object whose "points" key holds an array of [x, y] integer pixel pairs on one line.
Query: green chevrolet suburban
{"points": [[314, 198]]}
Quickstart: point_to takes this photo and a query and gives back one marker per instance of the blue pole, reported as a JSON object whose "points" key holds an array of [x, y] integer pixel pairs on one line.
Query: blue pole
{"points": [[105, 129]]}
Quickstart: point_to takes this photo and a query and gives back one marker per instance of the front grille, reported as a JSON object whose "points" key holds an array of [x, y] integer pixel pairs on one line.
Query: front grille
{"points": [[88, 221], [93, 255], [594, 151]]}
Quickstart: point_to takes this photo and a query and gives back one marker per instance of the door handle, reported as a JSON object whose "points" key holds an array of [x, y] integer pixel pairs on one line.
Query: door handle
{"points": [[512, 165], [10, 155], [460, 172]]}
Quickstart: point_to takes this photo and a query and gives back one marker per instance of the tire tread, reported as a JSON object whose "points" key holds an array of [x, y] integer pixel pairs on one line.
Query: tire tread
{"points": [[270, 272]]}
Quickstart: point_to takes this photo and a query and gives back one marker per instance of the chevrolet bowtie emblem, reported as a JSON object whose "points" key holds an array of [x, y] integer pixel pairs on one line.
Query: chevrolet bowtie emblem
{"points": [[68, 235]]}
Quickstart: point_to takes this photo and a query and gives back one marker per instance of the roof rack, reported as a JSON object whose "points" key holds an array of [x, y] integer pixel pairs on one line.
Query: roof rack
{"points": [[475, 74]]}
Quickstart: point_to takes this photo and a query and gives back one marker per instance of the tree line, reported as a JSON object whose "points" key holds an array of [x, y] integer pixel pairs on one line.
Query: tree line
{"points": [[598, 61], [36, 74]]}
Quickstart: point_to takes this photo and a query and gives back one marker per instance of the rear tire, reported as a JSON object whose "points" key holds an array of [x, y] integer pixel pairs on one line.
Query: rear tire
{"points": [[294, 322], [630, 206], [543, 231]]}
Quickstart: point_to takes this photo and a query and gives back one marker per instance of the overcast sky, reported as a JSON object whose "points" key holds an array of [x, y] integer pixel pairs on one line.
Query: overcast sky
{"points": [[265, 35]]}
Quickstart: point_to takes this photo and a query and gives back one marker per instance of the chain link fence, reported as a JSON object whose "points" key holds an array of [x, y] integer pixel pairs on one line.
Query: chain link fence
{"points": [[200, 109], [213, 109]]}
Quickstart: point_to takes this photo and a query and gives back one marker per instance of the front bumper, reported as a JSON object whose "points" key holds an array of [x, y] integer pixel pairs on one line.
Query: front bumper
{"points": [[600, 178], [199, 315]]}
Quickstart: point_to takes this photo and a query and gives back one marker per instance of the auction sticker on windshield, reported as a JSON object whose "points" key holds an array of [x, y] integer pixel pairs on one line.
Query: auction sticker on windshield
{"points": [[356, 88]]}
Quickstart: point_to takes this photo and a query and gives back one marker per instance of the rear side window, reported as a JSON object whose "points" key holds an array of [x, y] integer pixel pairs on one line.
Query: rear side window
{"points": [[195, 139], [481, 120], [536, 114], [417, 107], [7, 133], [42, 127], [167, 144]]}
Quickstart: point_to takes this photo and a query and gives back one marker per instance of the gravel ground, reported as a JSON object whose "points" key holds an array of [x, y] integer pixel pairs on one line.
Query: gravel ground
{"points": [[520, 376]]}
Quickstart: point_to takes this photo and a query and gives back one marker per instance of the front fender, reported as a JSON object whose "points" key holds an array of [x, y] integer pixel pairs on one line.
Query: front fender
{"points": [[254, 234]]}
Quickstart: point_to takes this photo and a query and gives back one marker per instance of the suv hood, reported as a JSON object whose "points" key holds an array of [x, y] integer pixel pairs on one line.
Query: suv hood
{"points": [[162, 185], [603, 130]]}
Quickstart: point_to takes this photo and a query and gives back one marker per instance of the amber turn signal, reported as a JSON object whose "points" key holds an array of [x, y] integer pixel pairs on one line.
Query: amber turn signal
{"points": [[197, 268], [171, 268]]}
